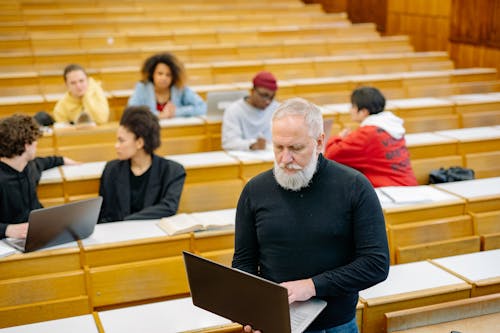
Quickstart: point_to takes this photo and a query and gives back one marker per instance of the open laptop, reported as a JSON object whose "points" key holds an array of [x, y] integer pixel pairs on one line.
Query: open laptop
{"points": [[58, 225], [218, 101], [247, 299]]}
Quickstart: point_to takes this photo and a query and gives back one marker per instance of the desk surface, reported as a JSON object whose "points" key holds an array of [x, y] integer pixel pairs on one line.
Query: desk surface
{"points": [[427, 138], [480, 324], [123, 231], [78, 324], [51, 176], [473, 266], [421, 276], [177, 315], [82, 171], [407, 196], [243, 156], [471, 189], [471, 134], [207, 159]]}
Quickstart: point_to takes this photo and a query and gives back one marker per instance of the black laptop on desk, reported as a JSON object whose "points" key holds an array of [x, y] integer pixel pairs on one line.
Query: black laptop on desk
{"points": [[247, 299], [58, 225]]}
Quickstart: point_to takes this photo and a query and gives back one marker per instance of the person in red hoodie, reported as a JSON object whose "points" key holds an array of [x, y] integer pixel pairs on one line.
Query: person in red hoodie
{"points": [[378, 147]]}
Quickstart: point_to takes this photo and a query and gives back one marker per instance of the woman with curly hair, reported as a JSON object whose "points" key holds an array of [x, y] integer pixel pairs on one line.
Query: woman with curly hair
{"points": [[139, 185], [163, 89], [20, 173]]}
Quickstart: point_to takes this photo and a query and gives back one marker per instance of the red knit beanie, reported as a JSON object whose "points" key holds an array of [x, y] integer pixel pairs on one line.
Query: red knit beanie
{"points": [[265, 80]]}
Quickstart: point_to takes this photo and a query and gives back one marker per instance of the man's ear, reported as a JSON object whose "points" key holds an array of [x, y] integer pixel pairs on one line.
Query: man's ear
{"points": [[320, 143]]}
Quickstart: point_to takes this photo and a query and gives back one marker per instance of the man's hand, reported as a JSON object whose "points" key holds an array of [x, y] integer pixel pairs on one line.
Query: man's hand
{"points": [[259, 145], [17, 230], [249, 329], [299, 290]]}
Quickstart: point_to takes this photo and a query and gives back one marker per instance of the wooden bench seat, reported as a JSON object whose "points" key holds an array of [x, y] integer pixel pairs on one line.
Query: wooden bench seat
{"points": [[432, 239], [487, 226]]}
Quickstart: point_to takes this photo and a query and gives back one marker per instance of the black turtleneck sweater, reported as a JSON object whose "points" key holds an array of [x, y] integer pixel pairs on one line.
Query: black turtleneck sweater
{"points": [[332, 231], [18, 196]]}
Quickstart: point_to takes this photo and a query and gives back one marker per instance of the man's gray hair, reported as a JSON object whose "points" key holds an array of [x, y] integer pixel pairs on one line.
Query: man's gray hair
{"points": [[299, 106]]}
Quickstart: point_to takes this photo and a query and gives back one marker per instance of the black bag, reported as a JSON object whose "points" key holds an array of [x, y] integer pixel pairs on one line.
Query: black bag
{"points": [[453, 174]]}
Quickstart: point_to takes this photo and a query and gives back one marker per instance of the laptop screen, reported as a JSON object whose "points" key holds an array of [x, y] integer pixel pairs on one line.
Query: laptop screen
{"points": [[245, 298]]}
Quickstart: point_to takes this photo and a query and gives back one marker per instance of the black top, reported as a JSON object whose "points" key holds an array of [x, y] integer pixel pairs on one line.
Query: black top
{"points": [[162, 194], [332, 231], [138, 185], [18, 196]]}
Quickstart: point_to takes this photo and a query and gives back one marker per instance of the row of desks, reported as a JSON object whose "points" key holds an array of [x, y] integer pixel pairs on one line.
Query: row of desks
{"points": [[128, 262], [322, 90]]}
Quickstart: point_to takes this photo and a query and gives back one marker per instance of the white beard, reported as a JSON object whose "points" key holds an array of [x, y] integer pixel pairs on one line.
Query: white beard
{"points": [[299, 179]]}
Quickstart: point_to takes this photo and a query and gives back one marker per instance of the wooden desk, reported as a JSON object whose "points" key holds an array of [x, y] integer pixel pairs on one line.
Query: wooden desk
{"points": [[78, 324], [403, 204], [42, 285], [478, 314], [183, 135], [213, 181], [429, 144], [50, 189], [82, 181], [474, 140], [480, 269], [253, 162], [481, 195], [179, 315], [407, 286], [134, 254]]}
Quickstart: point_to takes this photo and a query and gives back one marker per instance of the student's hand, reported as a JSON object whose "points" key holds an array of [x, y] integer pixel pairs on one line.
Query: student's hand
{"points": [[169, 110], [299, 290], [17, 230], [345, 132], [259, 145], [69, 161], [249, 329]]}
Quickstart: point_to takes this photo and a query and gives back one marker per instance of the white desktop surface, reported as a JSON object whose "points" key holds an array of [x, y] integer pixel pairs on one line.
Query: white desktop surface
{"points": [[78, 324], [343, 108], [246, 156], [89, 170], [181, 121], [427, 138], [123, 231], [471, 134], [412, 103], [406, 278], [475, 188], [474, 98], [204, 159], [177, 315], [474, 266], [52, 175], [400, 196]]}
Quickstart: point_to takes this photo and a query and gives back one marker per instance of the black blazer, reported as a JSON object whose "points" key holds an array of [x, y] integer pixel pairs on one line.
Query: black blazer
{"points": [[162, 196]]}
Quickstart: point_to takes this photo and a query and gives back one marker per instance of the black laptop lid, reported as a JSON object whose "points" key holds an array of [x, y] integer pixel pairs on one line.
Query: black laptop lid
{"points": [[241, 297], [62, 224]]}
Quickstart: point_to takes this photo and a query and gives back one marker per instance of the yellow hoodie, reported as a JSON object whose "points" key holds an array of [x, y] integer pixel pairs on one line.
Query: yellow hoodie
{"points": [[94, 103]]}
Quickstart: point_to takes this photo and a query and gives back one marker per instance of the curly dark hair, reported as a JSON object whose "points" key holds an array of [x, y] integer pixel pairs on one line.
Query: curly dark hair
{"points": [[144, 124], [176, 67], [15, 132]]}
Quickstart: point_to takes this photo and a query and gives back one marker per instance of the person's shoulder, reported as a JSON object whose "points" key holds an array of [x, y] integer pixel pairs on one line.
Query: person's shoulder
{"points": [[264, 178], [114, 164], [169, 164], [332, 166]]}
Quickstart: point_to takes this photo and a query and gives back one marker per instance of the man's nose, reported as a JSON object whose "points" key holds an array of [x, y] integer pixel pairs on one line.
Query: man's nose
{"points": [[287, 156]]}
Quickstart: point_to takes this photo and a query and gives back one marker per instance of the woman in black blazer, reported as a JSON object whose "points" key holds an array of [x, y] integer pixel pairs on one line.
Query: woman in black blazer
{"points": [[140, 185]]}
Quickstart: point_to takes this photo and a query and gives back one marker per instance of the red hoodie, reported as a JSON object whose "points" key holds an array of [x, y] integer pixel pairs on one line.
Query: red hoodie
{"points": [[383, 158]]}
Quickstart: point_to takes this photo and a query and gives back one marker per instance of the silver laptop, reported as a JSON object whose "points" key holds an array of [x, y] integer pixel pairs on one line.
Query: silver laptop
{"points": [[218, 101], [247, 299], [58, 225]]}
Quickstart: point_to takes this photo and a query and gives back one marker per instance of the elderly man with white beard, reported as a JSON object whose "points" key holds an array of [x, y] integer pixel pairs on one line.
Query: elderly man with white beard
{"points": [[310, 224]]}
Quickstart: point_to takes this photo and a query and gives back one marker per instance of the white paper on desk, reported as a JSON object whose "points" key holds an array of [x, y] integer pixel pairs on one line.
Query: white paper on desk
{"points": [[415, 194], [222, 217], [123, 231], [6, 250]]}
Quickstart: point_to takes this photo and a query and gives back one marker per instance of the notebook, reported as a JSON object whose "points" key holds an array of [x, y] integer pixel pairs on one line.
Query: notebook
{"points": [[247, 299], [218, 101], [58, 225]]}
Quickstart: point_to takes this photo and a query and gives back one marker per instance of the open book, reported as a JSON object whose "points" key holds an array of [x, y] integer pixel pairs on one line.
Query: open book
{"points": [[211, 220]]}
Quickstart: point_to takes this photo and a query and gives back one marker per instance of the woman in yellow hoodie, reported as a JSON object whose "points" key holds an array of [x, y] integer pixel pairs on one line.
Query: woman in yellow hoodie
{"points": [[84, 98]]}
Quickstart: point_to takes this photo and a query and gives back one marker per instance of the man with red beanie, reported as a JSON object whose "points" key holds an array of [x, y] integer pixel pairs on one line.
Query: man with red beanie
{"points": [[246, 124]]}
